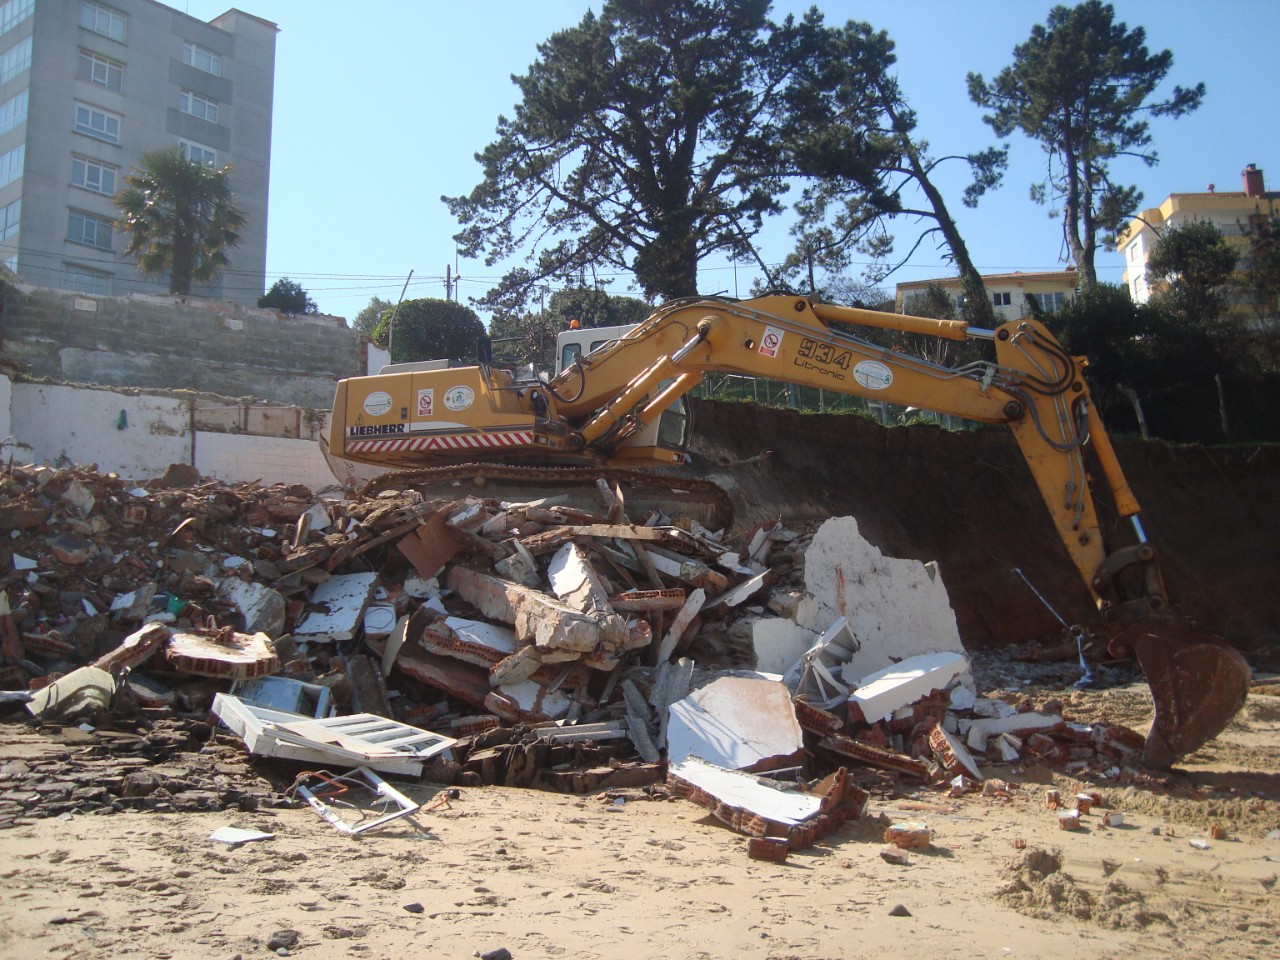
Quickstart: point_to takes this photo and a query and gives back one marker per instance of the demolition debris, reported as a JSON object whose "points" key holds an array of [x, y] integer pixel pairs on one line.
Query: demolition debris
{"points": [[555, 643]]}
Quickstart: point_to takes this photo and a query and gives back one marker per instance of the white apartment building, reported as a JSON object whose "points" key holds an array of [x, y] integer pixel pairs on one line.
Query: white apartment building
{"points": [[85, 88]]}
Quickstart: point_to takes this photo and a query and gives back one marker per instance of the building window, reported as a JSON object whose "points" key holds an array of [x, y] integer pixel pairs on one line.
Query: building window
{"points": [[198, 153], [90, 230], [11, 164], [14, 111], [9, 218], [1048, 302], [102, 19], [91, 175], [1000, 299], [85, 280], [95, 123], [194, 55], [12, 263], [198, 106], [15, 60], [100, 70], [13, 13]]}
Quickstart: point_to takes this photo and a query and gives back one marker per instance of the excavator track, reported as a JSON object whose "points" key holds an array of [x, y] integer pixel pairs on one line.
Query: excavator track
{"points": [[693, 496]]}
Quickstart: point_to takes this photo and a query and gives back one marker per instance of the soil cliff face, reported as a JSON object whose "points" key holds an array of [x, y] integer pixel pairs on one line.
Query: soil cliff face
{"points": [[968, 501]]}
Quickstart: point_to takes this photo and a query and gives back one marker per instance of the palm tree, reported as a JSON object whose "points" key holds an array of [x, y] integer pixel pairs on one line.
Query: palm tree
{"points": [[180, 216]]}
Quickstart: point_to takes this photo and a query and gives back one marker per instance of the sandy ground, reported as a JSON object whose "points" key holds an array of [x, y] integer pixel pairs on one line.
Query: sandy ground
{"points": [[547, 875]]}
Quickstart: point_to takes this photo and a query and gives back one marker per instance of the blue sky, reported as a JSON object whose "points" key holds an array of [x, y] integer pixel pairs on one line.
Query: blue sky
{"points": [[380, 108]]}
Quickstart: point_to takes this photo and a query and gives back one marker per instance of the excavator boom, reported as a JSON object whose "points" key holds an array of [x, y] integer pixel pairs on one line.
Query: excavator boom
{"points": [[621, 406]]}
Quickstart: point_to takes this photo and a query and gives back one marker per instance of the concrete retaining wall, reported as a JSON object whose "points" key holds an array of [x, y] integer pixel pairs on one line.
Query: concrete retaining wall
{"points": [[175, 343]]}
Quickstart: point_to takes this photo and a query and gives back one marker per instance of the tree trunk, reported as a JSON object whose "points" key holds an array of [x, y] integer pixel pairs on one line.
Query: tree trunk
{"points": [[182, 267], [979, 307], [1222, 407]]}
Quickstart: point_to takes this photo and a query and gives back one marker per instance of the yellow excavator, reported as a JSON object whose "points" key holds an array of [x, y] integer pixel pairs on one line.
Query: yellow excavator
{"points": [[623, 406]]}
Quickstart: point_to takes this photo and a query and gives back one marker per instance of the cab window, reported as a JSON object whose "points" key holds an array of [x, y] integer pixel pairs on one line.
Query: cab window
{"points": [[570, 353]]}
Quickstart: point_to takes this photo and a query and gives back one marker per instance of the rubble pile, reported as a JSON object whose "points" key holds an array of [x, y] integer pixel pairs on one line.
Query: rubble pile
{"points": [[475, 641]]}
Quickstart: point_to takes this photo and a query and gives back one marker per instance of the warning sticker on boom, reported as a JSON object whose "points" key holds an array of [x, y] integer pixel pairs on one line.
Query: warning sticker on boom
{"points": [[771, 342]]}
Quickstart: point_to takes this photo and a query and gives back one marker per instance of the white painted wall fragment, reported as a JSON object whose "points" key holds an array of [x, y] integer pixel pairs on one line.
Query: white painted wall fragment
{"points": [[340, 603], [779, 644], [896, 608], [734, 722], [883, 692]]}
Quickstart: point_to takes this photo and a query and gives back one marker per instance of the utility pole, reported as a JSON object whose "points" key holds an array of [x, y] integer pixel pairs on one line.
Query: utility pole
{"points": [[391, 324]]}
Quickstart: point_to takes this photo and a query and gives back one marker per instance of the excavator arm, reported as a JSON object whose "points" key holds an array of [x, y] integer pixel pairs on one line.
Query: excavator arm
{"points": [[602, 410]]}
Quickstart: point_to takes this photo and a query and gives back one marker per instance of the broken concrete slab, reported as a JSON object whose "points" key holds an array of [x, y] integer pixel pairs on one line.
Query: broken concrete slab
{"points": [[135, 649], [454, 677], [692, 605], [758, 807], [896, 608], [222, 653], [474, 641], [953, 755], [739, 594], [83, 694], [263, 609], [379, 620], [340, 604], [551, 624], [979, 731], [736, 723], [779, 644], [529, 701], [576, 583], [745, 792], [878, 695]]}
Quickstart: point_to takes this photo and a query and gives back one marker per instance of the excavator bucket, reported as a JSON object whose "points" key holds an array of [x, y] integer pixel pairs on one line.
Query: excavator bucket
{"points": [[1197, 681]]}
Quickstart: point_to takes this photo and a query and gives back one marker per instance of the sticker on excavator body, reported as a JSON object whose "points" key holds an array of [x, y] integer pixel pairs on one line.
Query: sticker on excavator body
{"points": [[377, 403], [426, 402], [459, 398], [873, 375], [771, 342]]}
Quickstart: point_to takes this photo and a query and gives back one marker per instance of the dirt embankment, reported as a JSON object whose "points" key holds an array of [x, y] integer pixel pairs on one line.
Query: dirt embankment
{"points": [[968, 501]]}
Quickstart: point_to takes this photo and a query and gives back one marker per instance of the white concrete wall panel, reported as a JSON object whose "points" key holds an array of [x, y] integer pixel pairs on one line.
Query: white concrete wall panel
{"points": [[6, 403], [134, 435], [236, 458]]}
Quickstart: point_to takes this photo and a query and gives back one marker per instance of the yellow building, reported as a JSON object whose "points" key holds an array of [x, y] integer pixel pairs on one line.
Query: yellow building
{"points": [[1230, 212], [1010, 293]]}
